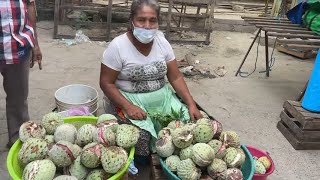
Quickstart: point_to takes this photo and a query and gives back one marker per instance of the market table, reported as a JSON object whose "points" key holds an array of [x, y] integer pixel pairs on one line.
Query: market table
{"points": [[286, 33]]}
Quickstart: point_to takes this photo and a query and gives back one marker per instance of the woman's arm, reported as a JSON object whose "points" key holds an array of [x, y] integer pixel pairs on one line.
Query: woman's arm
{"points": [[108, 78], [176, 80]]}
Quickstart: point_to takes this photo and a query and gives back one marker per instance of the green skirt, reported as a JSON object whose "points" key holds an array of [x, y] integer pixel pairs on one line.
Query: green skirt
{"points": [[163, 101]]}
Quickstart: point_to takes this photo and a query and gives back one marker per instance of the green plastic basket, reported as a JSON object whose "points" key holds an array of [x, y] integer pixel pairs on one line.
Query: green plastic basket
{"points": [[247, 168], [15, 170]]}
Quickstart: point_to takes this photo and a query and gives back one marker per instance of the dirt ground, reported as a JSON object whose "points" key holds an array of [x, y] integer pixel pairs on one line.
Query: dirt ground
{"points": [[249, 106]]}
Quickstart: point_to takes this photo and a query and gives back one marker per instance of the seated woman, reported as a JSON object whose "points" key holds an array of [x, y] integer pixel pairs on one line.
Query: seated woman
{"points": [[133, 72]]}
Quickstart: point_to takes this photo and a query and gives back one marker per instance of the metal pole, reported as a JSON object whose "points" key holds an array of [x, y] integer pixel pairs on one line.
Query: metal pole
{"points": [[267, 52], [245, 57]]}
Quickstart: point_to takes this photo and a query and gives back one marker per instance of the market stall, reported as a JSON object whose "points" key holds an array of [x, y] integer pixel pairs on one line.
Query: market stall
{"points": [[74, 143]]}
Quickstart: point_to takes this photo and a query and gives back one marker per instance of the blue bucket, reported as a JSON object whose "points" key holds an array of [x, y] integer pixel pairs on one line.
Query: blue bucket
{"points": [[311, 99]]}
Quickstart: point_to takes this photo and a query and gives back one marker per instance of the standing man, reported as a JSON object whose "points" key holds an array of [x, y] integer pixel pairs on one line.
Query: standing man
{"points": [[19, 50]]}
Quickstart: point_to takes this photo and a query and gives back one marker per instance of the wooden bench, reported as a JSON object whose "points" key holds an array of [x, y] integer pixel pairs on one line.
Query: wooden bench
{"points": [[175, 12], [109, 9], [288, 36]]}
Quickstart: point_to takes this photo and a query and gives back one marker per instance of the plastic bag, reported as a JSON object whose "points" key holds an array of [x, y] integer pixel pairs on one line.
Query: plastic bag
{"points": [[295, 14], [79, 111], [80, 37], [132, 168]]}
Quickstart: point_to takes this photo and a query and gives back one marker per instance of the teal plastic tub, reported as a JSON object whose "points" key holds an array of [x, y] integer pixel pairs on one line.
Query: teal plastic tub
{"points": [[247, 168]]}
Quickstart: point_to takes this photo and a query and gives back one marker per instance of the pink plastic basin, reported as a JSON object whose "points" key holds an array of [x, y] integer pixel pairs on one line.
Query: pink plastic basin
{"points": [[258, 153]]}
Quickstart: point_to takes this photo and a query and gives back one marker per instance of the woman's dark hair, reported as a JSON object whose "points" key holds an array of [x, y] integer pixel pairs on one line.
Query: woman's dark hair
{"points": [[138, 4]]}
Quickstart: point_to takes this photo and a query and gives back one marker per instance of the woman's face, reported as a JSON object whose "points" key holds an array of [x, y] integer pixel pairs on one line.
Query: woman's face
{"points": [[146, 17]]}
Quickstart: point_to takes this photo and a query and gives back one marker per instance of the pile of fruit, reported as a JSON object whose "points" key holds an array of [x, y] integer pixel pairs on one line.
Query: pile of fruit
{"points": [[262, 164], [57, 150], [201, 150]]}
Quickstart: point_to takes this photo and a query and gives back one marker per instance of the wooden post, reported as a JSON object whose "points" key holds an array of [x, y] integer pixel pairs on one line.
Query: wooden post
{"points": [[209, 28], [279, 26], [198, 9], [276, 7], [184, 12], [292, 31], [275, 18], [268, 21], [302, 46], [286, 35], [169, 19], [62, 11], [56, 18], [284, 8], [180, 18], [266, 7], [297, 41], [109, 19], [274, 24]]}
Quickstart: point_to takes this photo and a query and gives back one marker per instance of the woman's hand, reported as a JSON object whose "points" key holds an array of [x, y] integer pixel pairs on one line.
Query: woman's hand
{"points": [[135, 112], [194, 113]]}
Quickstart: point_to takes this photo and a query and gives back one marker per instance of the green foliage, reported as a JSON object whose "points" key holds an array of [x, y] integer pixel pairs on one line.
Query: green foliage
{"points": [[165, 119]]}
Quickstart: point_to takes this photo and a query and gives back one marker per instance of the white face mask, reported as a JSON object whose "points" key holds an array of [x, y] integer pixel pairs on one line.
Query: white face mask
{"points": [[143, 35]]}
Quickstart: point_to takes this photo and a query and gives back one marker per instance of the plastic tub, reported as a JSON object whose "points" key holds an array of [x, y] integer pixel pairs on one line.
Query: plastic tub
{"points": [[247, 168], [76, 95], [258, 153], [15, 170]]}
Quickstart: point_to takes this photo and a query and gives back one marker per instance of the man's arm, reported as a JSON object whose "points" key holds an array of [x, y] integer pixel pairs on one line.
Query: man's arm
{"points": [[36, 53], [33, 19]]}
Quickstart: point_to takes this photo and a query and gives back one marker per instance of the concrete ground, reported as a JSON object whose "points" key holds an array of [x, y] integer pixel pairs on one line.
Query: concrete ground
{"points": [[249, 106]]}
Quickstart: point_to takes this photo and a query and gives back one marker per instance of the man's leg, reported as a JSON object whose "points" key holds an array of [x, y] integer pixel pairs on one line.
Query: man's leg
{"points": [[16, 86]]}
